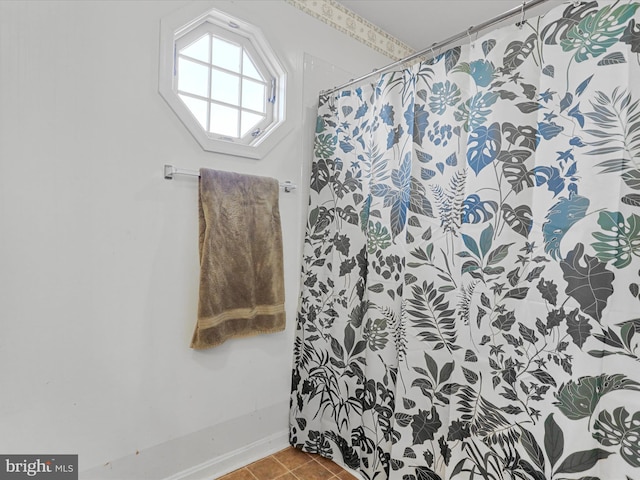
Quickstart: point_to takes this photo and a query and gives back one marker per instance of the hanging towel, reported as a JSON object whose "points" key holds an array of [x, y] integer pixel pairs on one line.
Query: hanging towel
{"points": [[241, 263]]}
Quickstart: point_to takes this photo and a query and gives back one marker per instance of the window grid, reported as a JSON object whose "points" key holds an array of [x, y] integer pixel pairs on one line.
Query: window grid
{"points": [[240, 75]]}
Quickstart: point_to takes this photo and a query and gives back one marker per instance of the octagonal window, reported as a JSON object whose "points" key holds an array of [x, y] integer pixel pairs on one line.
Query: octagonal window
{"points": [[225, 83]]}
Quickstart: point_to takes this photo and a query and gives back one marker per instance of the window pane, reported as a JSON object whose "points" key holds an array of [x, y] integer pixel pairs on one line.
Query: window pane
{"points": [[226, 55], [224, 120], [249, 121], [198, 108], [248, 67], [198, 49], [253, 95], [225, 87], [193, 78]]}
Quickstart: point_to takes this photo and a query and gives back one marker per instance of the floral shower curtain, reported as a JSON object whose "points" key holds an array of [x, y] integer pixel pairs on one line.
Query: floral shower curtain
{"points": [[470, 301]]}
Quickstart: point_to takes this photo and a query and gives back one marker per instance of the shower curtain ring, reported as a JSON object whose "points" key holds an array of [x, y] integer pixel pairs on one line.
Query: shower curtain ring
{"points": [[521, 24], [469, 30], [433, 53]]}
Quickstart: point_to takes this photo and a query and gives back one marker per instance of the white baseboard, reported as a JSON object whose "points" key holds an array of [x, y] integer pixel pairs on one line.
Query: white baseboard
{"points": [[216, 467], [204, 454]]}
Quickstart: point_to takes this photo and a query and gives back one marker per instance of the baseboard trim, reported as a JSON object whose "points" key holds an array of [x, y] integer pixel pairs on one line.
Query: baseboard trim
{"points": [[216, 467]]}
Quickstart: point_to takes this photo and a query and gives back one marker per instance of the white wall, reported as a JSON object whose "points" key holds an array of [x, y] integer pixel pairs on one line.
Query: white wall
{"points": [[98, 253]]}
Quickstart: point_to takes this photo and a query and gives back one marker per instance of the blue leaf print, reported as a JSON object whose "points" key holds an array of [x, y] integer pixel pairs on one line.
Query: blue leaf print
{"points": [[345, 146], [402, 176], [409, 118], [423, 156], [475, 210], [581, 88], [560, 218], [547, 96], [471, 244], [420, 123], [482, 72], [566, 101], [427, 174], [439, 134], [565, 156], [572, 187], [550, 176], [548, 130], [443, 95], [390, 198], [362, 110], [346, 110], [386, 114], [577, 142], [380, 189], [575, 113], [452, 160], [399, 214], [484, 146], [475, 110], [486, 239], [394, 136]]}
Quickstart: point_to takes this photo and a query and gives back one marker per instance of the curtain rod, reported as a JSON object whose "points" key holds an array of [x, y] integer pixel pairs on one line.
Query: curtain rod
{"points": [[438, 45], [170, 171]]}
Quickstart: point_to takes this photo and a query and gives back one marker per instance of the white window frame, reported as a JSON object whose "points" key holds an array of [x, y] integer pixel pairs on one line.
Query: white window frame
{"points": [[181, 28]]}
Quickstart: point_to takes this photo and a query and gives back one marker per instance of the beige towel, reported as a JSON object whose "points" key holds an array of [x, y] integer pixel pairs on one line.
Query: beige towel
{"points": [[241, 263]]}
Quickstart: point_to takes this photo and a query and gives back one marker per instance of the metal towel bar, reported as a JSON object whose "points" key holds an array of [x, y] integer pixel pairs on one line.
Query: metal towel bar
{"points": [[170, 171]]}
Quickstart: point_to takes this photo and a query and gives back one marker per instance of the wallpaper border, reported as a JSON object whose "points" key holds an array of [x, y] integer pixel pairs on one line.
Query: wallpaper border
{"points": [[344, 20]]}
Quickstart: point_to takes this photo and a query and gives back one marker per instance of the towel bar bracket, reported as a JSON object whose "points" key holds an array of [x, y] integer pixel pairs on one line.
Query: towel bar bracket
{"points": [[287, 186], [170, 171]]}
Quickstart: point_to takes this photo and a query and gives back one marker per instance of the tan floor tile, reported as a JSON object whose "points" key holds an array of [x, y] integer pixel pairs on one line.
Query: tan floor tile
{"points": [[328, 464], [292, 458], [344, 475], [267, 469], [241, 474], [287, 476], [312, 471]]}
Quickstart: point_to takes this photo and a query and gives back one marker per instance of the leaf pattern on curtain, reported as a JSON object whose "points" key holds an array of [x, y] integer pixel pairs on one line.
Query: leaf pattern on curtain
{"points": [[471, 269]]}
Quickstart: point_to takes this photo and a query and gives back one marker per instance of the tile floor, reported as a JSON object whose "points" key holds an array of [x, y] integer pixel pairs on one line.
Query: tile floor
{"points": [[291, 464]]}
